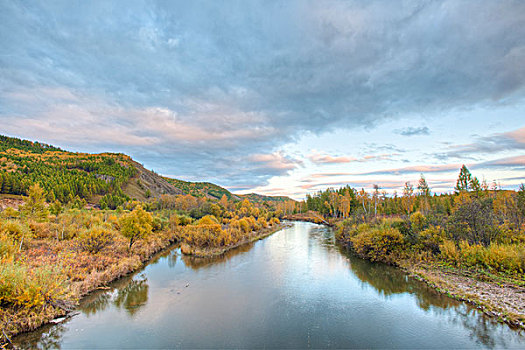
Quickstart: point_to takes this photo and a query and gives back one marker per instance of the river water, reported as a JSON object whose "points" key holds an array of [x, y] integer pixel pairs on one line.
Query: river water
{"points": [[294, 289]]}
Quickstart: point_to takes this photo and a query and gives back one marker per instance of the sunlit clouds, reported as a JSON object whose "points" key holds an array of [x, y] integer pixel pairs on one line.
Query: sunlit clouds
{"points": [[265, 96]]}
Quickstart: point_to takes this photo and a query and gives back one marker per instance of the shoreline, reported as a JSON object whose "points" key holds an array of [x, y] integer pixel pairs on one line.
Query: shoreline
{"points": [[208, 253], [67, 308], [60, 315], [504, 301]]}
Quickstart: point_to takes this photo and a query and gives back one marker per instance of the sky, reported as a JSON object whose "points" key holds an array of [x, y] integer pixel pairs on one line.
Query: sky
{"points": [[274, 97]]}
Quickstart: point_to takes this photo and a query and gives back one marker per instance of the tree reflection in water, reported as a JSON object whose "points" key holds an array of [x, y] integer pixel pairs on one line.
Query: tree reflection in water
{"points": [[133, 296], [130, 293], [49, 337], [388, 280], [197, 263]]}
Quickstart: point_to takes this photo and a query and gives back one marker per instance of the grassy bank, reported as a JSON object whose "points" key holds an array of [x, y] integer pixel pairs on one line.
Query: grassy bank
{"points": [[44, 274], [488, 276], [205, 252]]}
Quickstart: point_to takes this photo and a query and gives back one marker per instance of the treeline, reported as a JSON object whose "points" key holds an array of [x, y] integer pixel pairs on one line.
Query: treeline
{"points": [[200, 189], [64, 176], [475, 227]]}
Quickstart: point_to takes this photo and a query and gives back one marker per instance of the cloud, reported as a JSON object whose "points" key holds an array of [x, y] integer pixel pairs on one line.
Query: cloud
{"points": [[196, 89], [275, 163], [321, 158], [318, 158], [508, 141], [413, 131], [415, 169], [510, 162]]}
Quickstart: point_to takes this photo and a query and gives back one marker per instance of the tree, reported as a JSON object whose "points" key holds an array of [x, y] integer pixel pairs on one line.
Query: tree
{"points": [[35, 205], [136, 225], [466, 182], [474, 220], [408, 197], [521, 204], [422, 187], [376, 198]]}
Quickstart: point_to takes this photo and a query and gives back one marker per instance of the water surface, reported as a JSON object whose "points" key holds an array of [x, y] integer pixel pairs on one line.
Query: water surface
{"points": [[295, 289]]}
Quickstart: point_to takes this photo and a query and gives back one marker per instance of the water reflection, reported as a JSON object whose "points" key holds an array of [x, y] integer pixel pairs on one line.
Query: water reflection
{"points": [[295, 289], [197, 263], [388, 280], [46, 337], [129, 293]]}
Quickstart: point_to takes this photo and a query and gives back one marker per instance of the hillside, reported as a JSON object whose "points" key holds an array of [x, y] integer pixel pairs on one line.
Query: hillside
{"points": [[107, 179], [209, 190], [259, 198], [202, 189], [63, 175]]}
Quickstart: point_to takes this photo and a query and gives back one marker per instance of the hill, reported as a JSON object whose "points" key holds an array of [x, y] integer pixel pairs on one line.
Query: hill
{"points": [[107, 179], [259, 198], [202, 189]]}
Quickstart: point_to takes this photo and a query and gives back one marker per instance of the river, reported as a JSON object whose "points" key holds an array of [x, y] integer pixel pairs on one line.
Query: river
{"points": [[294, 289]]}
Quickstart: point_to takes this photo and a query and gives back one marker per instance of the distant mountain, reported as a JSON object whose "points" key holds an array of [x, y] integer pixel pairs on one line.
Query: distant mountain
{"points": [[202, 189], [259, 198]]}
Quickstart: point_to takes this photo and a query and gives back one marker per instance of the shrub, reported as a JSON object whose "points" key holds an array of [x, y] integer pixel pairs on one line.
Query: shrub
{"points": [[418, 222], [261, 221], [208, 220], [95, 239], [30, 288], [449, 251], [505, 258], [15, 231], [10, 213], [430, 239], [377, 244]]}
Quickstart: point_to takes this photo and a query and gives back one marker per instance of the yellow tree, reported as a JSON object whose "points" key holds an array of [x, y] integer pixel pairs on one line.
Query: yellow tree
{"points": [[136, 225], [224, 202], [35, 206], [408, 197], [345, 207]]}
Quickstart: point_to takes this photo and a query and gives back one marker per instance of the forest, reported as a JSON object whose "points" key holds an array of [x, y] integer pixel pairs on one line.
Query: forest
{"points": [[477, 227]]}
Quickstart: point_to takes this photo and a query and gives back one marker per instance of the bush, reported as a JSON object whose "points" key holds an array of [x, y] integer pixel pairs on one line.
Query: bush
{"points": [[449, 251], [430, 239], [15, 231], [30, 288], [95, 239], [418, 222], [377, 244]]}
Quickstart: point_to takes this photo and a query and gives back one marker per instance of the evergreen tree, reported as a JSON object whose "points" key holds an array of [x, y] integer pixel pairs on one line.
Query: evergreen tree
{"points": [[464, 181], [422, 187]]}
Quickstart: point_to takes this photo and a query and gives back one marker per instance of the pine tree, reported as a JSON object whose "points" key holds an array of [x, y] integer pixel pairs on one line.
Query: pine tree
{"points": [[422, 187], [464, 180]]}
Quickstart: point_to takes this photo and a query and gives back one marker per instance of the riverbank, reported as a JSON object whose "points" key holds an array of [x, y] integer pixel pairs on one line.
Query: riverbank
{"points": [[83, 272], [216, 251], [495, 297], [495, 294]]}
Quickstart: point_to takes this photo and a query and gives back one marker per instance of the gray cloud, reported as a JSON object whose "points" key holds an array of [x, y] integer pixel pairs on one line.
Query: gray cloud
{"points": [[413, 131], [512, 140], [199, 89]]}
